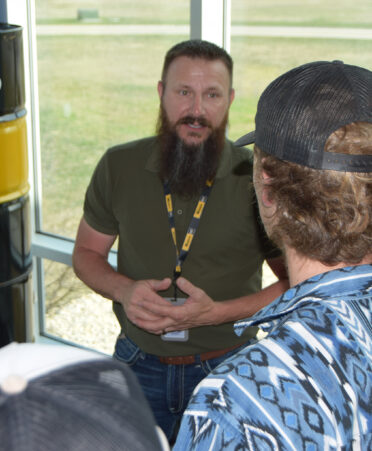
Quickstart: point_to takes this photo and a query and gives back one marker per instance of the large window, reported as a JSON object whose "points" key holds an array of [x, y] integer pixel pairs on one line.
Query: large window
{"points": [[92, 74], [272, 36], [97, 88]]}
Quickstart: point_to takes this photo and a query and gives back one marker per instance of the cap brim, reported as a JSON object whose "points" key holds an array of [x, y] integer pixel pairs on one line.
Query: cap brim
{"points": [[249, 138]]}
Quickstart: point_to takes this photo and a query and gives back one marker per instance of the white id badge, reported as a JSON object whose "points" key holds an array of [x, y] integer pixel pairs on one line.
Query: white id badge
{"points": [[177, 335]]}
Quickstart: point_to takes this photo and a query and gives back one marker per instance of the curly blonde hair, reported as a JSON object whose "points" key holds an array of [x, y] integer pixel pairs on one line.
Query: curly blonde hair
{"points": [[325, 215]]}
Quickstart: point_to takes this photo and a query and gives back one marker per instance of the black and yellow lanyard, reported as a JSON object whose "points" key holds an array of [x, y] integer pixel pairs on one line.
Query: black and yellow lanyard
{"points": [[181, 256]]}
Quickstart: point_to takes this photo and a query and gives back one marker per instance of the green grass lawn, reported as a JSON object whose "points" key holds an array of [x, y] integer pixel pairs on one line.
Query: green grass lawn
{"points": [[115, 11], [94, 92], [99, 91], [260, 60], [334, 13], [315, 13]]}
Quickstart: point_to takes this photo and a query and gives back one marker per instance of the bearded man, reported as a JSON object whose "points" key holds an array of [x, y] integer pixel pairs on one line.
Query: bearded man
{"points": [[180, 202]]}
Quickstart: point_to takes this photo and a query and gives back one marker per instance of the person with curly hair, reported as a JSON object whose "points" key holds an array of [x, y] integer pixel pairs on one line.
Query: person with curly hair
{"points": [[306, 383]]}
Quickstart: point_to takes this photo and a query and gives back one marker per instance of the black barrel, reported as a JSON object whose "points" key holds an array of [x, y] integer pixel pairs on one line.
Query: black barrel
{"points": [[15, 235], [15, 270], [12, 83]]}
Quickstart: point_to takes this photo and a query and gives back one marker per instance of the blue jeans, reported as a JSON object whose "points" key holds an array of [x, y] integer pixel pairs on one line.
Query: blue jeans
{"points": [[167, 388]]}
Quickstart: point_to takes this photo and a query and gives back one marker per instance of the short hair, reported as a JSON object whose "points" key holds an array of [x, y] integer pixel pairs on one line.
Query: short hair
{"points": [[197, 48], [323, 214]]}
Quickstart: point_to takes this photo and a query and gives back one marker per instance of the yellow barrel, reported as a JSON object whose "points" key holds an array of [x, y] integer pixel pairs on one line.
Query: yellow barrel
{"points": [[13, 159]]}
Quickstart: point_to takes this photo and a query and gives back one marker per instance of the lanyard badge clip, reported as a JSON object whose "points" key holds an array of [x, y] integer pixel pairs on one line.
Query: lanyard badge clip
{"points": [[180, 335]]}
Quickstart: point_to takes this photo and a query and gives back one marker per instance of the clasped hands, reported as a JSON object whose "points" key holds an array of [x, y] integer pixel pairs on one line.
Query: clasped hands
{"points": [[148, 310]]}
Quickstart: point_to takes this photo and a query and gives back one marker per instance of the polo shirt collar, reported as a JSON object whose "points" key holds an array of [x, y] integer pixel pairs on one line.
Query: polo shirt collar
{"points": [[224, 168]]}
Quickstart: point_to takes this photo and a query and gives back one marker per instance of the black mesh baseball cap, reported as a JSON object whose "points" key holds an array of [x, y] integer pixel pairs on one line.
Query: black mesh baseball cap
{"points": [[299, 110], [61, 398]]}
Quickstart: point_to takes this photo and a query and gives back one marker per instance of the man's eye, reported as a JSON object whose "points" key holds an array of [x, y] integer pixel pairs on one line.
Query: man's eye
{"points": [[212, 95], [184, 92]]}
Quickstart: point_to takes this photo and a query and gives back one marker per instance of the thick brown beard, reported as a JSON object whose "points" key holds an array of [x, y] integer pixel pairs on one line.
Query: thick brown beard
{"points": [[188, 167]]}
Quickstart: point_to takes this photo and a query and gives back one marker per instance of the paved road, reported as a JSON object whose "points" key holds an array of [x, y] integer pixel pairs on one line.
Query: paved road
{"points": [[294, 32]]}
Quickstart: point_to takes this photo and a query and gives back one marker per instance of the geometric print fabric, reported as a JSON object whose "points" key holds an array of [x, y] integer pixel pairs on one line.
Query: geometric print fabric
{"points": [[307, 385]]}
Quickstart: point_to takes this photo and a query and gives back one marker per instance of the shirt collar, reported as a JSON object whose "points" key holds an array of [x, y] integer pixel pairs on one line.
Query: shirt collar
{"points": [[224, 167], [323, 286]]}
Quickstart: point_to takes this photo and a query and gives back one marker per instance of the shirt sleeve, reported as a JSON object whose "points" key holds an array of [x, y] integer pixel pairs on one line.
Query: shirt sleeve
{"points": [[98, 210]]}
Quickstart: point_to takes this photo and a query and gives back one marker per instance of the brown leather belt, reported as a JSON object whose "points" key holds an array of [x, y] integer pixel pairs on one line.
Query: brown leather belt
{"points": [[188, 359]]}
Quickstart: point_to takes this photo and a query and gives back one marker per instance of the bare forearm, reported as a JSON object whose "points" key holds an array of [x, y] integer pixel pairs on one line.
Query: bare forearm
{"points": [[98, 274], [246, 306], [94, 270]]}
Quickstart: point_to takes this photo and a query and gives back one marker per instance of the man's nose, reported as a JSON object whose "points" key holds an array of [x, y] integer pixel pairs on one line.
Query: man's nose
{"points": [[197, 106]]}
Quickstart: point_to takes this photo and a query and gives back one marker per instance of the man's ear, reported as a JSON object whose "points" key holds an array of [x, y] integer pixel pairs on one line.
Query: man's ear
{"points": [[265, 176], [232, 96], [265, 197], [160, 89]]}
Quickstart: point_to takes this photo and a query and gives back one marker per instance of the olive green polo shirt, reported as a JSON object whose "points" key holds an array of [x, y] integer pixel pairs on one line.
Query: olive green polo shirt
{"points": [[125, 197]]}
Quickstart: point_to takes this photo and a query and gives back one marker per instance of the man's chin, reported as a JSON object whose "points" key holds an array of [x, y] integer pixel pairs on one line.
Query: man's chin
{"points": [[193, 138]]}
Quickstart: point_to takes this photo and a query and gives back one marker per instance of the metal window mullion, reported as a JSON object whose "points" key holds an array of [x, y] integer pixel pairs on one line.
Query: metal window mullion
{"points": [[210, 20]]}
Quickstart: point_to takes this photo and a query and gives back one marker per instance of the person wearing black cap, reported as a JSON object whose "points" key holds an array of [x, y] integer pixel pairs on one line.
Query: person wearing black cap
{"points": [[307, 381]]}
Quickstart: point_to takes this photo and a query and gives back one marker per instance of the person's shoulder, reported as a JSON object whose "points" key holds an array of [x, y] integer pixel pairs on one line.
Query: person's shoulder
{"points": [[243, 153], [130, 154], [143, 145], [242, 158]]}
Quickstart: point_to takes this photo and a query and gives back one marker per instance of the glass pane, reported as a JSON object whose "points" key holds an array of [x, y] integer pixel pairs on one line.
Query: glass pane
{"points": [[95, 90], [304, 13], [76, 314], [259, 59]]}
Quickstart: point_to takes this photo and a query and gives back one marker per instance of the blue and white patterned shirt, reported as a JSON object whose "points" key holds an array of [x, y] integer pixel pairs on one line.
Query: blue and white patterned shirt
{"points": [[305, 385]]}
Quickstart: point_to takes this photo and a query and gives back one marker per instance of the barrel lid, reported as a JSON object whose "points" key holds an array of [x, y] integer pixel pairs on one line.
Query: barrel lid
{"points": [[7, 27], [13, 116]]}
